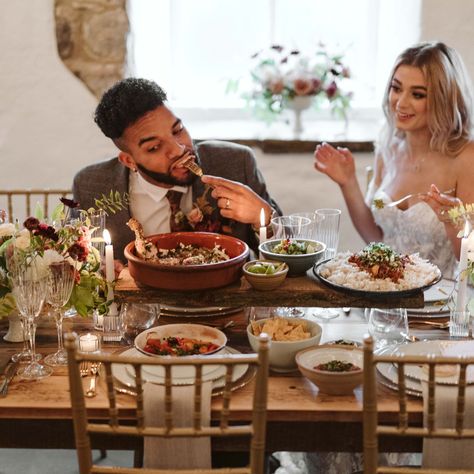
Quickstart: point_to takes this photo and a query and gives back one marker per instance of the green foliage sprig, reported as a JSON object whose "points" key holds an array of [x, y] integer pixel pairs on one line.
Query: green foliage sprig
{"points": [[113, 202]]}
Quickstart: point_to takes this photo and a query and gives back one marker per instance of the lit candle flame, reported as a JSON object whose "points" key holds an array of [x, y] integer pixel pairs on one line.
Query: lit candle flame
{"points": [[106, 235], [262, 217]]}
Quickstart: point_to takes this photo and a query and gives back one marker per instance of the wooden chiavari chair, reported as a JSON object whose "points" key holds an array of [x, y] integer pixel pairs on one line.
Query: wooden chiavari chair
{"points": [[114, 426], [373, 429], [21, 203]]}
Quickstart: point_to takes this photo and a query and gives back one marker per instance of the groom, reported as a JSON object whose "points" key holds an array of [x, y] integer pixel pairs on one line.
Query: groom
{"points": [[153, 148]]}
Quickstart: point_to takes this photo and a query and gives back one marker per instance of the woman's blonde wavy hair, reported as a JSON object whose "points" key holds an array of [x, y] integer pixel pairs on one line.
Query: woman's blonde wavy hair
{"points": [[449, 97]]}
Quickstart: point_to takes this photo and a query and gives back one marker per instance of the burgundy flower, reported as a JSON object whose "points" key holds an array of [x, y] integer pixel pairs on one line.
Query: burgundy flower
{"points": [[277, 47], [331, 90], [31, 223], [316, 86], [78, 251], [45, 230], [69, 202]]}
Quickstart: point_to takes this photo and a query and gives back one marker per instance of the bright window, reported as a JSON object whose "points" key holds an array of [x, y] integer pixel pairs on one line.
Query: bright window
{"points": [[193, 47]]}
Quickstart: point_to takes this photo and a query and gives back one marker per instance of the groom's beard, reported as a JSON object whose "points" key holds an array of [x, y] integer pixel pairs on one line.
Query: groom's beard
{"points": [[166, 178]]}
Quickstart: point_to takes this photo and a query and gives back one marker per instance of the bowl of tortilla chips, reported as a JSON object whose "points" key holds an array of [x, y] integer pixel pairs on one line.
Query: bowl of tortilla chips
{"points": [[288, 336]]}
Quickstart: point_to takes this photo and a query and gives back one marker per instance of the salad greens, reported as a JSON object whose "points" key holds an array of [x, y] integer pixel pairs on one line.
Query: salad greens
{"points": [[294, 247]]}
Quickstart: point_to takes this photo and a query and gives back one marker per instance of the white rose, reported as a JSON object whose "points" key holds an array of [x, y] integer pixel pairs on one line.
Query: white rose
{"points": [[51, 256], [7, 230], [22, 241]]}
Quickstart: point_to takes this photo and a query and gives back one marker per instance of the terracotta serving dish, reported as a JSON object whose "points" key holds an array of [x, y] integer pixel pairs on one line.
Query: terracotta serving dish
{"points": [[189, 277]]}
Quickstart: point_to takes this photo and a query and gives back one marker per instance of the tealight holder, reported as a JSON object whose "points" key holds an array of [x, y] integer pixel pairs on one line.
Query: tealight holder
{"points": [[89, 343], [459, 323]]}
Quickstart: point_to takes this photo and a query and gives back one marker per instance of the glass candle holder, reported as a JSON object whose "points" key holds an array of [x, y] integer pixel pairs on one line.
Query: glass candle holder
{"points": [[89, 343], [459, 323]]}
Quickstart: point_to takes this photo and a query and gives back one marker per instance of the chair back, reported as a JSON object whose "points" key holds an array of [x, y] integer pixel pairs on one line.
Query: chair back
{"points": [[255, 429], [19, 203], [373, 428]]}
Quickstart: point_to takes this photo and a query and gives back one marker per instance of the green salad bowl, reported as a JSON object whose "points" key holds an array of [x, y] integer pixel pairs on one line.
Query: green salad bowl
{"points": [[298, 264]]}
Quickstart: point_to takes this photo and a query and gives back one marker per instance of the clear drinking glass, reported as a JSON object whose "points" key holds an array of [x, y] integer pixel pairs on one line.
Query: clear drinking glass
{"points": [[309, 231], [387, 326], [328, 221], [60, 285], [135, 318], [327, 232], [29, 289], [291, 227]]}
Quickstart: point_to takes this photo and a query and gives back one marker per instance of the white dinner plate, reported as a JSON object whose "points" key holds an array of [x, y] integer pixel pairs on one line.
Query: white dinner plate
{"points": [[442, 291], [436, 301], [429, 311], [448, 374], [390, 375], [210, 311], [124, 373]]}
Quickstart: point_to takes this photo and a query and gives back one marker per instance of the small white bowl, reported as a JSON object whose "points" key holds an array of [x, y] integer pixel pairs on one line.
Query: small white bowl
{"points": [[282, 353], [193, 331], [334, 383]]}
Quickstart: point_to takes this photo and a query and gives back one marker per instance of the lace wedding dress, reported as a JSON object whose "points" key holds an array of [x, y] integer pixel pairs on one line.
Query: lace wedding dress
{"points": [[416, 229]]}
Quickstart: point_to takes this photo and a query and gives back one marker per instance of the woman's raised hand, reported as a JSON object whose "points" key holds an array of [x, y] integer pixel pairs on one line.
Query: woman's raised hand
{"points": [[337, 163], [440, 202]]}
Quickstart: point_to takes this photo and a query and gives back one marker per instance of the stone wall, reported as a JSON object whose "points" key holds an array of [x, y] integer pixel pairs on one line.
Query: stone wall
{"points": [[92, 40]]}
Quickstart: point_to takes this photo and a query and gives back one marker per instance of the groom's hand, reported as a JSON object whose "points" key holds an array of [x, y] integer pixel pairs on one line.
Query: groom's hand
{"points": [[237, 201]]}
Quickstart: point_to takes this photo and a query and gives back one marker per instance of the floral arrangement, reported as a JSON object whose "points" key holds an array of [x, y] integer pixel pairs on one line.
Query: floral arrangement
{"points": [[279, 75], [71, 241]]}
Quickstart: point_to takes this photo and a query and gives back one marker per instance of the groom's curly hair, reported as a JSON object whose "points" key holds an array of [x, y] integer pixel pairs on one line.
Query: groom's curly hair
{"points": [[126, 102]]}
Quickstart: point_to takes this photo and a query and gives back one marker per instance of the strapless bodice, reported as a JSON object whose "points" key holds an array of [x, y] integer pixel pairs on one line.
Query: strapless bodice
{"points": [[416, 229]]}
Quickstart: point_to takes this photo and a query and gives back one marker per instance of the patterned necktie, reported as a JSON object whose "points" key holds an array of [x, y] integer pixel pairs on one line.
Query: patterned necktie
{"points": [[174, 198]]}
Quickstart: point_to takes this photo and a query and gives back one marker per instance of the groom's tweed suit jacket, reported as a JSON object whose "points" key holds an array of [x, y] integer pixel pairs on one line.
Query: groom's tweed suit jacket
{"points": [[218, 158]]}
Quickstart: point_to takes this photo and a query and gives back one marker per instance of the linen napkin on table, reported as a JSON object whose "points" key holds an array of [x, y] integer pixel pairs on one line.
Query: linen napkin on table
{"points": [[176, 453], [446, 453]]}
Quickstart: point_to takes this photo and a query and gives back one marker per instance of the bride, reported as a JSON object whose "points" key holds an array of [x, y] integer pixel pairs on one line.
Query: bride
{"points": [[425, 150]]}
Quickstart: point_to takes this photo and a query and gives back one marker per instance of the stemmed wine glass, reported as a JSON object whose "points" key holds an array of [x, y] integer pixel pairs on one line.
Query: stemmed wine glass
{"points": [[29, 287], [25, 356], [61, 283]]}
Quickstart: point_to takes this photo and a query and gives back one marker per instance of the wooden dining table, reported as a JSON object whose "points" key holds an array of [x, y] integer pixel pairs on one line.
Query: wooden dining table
{"points": [[300, 418]]}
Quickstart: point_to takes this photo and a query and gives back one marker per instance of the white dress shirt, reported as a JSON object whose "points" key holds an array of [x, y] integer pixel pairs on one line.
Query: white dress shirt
{"points": [[150, 206]]}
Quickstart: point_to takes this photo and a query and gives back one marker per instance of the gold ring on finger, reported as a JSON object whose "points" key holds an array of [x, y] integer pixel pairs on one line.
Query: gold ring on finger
{"points": [[227, 203]]}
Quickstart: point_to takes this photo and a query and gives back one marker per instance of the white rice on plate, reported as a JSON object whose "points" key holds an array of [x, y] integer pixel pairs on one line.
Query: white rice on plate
{"points": [[341, 272]]}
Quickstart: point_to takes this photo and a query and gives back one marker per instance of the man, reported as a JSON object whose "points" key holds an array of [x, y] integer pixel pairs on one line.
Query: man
{"points": [[154, 147]]}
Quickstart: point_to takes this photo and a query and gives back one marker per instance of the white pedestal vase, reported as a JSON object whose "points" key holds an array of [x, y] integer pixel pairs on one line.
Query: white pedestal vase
{"points": [[298, 104], [15, 328]]}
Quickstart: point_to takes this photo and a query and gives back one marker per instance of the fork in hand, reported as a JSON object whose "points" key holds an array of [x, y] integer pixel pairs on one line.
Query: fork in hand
{"points": [[91, 392], [409, 196]]}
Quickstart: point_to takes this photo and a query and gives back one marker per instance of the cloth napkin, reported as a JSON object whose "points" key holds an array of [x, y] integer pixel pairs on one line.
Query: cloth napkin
{"points": [[446, 453], [176, 453]]}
